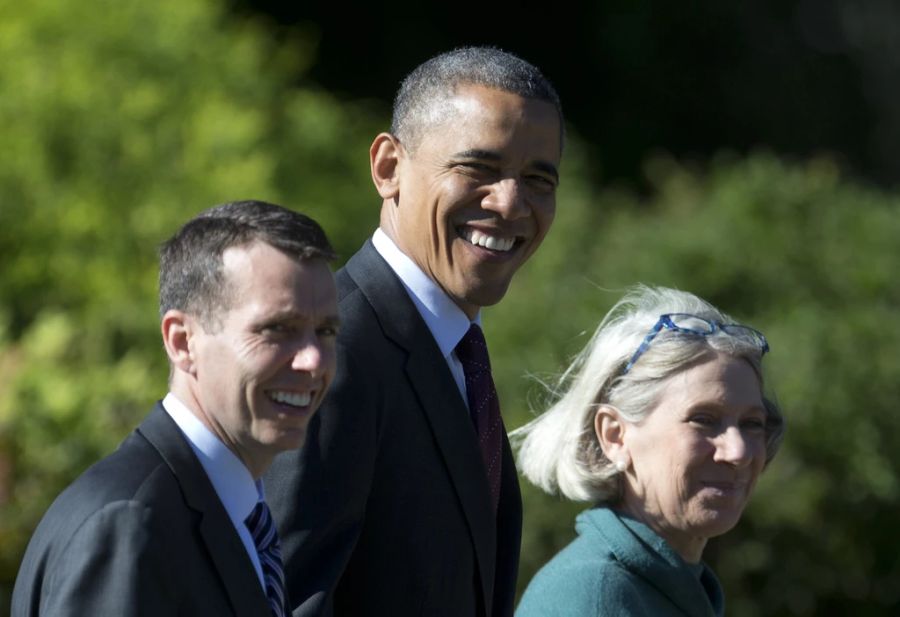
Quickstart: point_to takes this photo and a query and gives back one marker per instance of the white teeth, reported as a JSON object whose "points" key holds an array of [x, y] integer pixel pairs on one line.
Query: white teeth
{"points": [[291, 398], [493, 243]]}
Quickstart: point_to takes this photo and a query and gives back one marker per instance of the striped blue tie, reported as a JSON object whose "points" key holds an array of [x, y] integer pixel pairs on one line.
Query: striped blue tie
{"points": [[265, 537]]}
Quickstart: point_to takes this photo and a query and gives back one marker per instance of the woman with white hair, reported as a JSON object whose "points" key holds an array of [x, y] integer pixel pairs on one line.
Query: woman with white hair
{"points": [[663, 424]]}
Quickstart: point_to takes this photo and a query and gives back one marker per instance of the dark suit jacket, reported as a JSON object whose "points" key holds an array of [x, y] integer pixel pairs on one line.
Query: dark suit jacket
{"points": [[142, 532], [386, 510]]}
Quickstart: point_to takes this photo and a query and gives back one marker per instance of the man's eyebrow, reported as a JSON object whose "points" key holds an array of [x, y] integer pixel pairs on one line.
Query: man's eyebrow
{"points": [[295, 315], [478, 154], [488, 155], [281, 315], [332, 320]]}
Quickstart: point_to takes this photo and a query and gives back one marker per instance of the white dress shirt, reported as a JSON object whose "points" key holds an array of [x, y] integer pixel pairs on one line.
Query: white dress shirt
{"points": [[236, 488], [445, 320]]}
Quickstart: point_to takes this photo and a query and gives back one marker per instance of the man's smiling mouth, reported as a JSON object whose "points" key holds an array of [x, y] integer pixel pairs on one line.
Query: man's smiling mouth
{"points": [[294, 399], [484, 240]]}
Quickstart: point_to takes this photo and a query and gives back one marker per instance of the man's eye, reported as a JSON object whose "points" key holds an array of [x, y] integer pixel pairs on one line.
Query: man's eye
{"points": [[541, 182], [275, 328], [476, 167], [327, 331]]}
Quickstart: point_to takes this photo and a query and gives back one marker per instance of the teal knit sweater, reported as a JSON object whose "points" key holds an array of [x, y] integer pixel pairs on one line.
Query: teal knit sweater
{"points": [[618, 567]]}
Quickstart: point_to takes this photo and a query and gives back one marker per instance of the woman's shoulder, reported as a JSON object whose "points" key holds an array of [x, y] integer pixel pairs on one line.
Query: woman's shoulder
{"points": [[584, 578]]}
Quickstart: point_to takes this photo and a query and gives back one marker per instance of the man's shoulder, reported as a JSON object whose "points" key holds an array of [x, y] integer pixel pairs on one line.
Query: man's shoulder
{"points": [[369, 295], [124, 516], [364, 266], [128, 490], [134, 472]]}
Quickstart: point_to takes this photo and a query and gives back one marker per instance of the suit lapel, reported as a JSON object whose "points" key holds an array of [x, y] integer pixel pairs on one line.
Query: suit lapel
{"points": [[439, 399], [225, 548]]}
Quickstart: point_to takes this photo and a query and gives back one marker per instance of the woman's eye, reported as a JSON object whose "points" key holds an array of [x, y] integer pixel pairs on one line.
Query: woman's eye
{"points": [[704, 421], [754, 424]]}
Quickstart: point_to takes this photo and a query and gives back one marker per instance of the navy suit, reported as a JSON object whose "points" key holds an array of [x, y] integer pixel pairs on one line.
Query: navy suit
{"points": [[142, 532], [386, 510]]}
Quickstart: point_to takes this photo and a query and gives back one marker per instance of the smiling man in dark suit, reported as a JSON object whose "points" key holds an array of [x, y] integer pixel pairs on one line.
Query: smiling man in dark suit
{"points": [[406, 501], [174, 522]]}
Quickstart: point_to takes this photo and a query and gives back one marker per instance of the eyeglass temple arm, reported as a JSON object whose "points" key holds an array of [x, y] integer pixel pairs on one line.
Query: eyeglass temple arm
{"points": [[645, 344]]}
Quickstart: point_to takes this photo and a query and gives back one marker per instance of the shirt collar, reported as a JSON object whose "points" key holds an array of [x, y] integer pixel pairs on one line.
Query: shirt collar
{"points": [[446, 321], [236, 488]]}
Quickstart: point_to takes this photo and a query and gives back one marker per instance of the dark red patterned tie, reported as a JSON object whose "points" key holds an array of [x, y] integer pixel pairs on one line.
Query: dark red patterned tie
{"points": [[483, 404]]}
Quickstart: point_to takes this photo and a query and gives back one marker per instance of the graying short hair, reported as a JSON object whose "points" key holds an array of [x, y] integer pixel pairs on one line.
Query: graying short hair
{"points": [[559, 450], [435, 81]]}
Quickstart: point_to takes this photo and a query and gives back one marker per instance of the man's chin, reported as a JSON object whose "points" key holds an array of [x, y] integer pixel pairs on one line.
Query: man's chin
{"points": [[486, 295], [289, 439]]}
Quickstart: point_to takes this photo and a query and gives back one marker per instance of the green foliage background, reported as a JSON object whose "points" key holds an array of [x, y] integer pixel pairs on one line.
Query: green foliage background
{"points": [[122, 119]]}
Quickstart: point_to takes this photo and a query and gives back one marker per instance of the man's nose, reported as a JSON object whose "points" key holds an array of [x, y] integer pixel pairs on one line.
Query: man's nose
{"points": [[507, 199], [308, 357]]}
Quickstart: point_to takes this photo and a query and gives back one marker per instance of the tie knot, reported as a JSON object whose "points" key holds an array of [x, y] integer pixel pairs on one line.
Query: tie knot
{"points": [[472, 350]]}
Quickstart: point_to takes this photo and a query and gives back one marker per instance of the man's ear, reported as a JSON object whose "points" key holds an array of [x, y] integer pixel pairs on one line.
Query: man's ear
{"points": [[177, 331], [610, 429], [384, 159]]}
